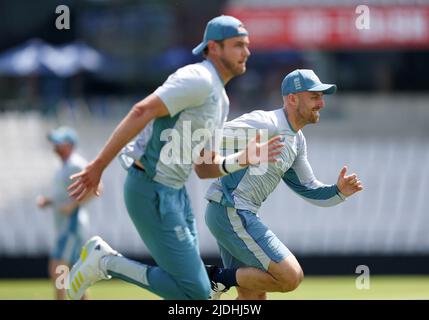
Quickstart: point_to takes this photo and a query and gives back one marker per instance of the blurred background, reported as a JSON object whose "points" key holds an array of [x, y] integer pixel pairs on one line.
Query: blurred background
{"points": [[117, 52]]}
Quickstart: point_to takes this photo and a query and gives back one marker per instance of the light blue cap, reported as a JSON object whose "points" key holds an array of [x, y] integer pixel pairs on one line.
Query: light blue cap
{"points": [[63, 135], [219, 28], [305, 80]]}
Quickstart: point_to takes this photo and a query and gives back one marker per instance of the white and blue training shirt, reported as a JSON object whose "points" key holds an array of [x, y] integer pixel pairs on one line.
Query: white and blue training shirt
{"points": [[196, 99], [246, 191]]}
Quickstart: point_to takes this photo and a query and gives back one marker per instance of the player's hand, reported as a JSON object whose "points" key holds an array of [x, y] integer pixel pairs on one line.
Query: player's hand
{"points": [[348, 185], [257, 152], [86, 182]]}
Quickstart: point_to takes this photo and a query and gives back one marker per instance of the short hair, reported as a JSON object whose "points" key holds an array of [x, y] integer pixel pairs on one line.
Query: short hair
{"points": [[206, 49]]}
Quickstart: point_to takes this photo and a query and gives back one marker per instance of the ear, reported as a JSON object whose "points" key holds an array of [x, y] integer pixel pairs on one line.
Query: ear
{"points": [[213, 47], [292, 99]]}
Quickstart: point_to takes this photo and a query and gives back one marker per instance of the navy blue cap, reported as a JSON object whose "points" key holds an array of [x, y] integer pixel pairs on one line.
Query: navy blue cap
{"points": [[63, 135], [305, 80], [219, 28]]}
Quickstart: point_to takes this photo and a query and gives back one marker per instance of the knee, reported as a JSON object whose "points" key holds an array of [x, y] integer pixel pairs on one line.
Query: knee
{"points": [[291, 280]]}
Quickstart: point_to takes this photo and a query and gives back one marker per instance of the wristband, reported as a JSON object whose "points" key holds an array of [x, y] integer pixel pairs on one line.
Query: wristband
{"points": [[222, 168], [340, 194], [230, 163]]}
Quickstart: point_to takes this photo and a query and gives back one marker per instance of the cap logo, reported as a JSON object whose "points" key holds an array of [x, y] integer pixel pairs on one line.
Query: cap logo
{"points": [[297, 83], [241, 29]]}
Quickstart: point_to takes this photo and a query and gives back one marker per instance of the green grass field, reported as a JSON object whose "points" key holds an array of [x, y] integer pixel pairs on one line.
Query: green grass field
{"points": [[381, 287]]}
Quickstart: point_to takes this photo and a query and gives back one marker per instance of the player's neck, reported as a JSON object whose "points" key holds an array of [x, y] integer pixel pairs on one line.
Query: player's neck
{"points": [[293, 120], [224, 74], [66, 156]]}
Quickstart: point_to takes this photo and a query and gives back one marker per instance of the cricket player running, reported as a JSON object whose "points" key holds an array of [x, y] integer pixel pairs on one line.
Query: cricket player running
{"points": [[71, 220], [255, 260], [155, 196]]}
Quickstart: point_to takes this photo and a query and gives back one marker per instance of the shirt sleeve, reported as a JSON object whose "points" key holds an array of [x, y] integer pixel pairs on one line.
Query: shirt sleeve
{"points": [[186, 88], [300, 178]]}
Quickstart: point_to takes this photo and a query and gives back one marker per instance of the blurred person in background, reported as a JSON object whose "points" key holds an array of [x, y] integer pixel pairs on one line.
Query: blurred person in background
{"points": [[255, 260], [154, 192], [71, 220]]}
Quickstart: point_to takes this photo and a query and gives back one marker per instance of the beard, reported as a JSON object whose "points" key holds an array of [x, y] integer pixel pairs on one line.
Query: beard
{"points": [[308, 116], [234, 69], [314, 116]]}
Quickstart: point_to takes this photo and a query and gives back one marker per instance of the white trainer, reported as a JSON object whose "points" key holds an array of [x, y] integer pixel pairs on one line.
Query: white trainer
{"points": [[217, 290], [86, 271]]}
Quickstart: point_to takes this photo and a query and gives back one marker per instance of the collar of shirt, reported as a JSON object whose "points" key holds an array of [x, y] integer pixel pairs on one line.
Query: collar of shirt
{"points": [[213, 68], [287, 120]]}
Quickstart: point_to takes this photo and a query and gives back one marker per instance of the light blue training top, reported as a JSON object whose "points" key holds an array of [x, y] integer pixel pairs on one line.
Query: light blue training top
{"points": [[167, 147], [246, 190], [59, 195]]}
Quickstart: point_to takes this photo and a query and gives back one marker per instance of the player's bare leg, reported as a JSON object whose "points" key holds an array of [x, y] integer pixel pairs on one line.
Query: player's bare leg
{"points": [[284, 276], [60, 293], [85, 296], [247, 294]]}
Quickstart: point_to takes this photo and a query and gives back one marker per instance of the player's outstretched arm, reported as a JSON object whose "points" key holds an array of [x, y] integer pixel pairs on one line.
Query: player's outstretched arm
{"points": [[213, 165], [349, 184], [141, 114]]}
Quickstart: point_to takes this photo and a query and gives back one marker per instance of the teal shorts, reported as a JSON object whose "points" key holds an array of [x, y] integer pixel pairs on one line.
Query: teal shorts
{"points": [[67, 247], [242, 238]]}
